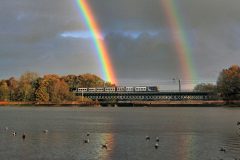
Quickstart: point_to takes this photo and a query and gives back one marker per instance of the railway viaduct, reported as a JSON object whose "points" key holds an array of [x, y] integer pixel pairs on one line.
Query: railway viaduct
{"points": [[107, 98]]}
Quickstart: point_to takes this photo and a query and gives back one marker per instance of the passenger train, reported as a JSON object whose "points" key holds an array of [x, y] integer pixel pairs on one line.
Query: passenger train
{"points": [[121, 89]]}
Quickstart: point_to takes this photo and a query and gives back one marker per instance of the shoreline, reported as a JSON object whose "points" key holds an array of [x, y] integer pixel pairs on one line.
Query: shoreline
{"points": [[65, 104], [191, 103]]}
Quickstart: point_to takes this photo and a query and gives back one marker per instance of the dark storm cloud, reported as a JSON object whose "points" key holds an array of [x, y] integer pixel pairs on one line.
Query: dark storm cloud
{"points": [[32, 21], [128, 14], [136, 32], [144, 56]]}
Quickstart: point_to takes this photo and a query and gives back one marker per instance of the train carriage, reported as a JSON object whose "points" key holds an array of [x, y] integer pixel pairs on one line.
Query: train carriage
{"points": [[129, 89], [141, 89], [110, 89], [152, 89], [82, 89], [121, 89], [100, 89], [91, 89]]}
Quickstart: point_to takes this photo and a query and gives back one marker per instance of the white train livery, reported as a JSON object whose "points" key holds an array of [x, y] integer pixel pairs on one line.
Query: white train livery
{"points": [[121, 89]]}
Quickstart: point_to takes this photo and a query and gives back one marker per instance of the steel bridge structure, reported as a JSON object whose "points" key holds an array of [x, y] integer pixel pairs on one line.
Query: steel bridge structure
{"points": [[147, 96]]}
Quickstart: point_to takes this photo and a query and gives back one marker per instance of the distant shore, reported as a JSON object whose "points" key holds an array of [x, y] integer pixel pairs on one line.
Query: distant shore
{"points": [[192, 103], [80, 104]]}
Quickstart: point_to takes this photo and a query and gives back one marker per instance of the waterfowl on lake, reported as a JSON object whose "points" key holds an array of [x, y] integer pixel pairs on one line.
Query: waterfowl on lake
{"points": [[86, 141], [14, 133], [156, 146], [147, 138], [222, 149], [23, 136], [45, 131], [104, 146], [157, 139]]}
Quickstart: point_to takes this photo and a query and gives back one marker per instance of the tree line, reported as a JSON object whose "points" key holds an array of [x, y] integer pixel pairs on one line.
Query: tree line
{"points": [[227, 86], [30, 87]]}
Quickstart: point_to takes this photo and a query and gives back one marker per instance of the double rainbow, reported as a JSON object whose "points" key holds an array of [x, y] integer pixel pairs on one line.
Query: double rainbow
{"points": [[102, 52], [175, 23]]}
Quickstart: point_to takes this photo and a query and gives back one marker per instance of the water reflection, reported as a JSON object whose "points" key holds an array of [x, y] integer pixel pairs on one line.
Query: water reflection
{"points": [[232, 145], [185, 134], [105, 138], [186, 144]]}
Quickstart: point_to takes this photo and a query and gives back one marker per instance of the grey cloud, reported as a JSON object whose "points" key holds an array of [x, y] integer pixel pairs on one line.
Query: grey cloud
{"points": [[146, 56]]}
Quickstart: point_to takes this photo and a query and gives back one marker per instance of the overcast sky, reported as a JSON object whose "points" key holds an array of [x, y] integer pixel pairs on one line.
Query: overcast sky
{"points": [[49, 36]]}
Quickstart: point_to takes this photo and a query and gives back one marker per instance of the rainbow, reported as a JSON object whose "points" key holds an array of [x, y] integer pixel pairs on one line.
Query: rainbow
{"points": [[188, 145], [102, 52], [179, 36]]}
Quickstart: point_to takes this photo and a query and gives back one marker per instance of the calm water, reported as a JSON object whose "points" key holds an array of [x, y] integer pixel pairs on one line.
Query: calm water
{"points": [[184, 133]]}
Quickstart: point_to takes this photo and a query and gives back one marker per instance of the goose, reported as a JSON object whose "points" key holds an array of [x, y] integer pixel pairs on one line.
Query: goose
{"points": [[86, 141], [23, 136], [45, 131], [222, 149], [147, 138], [104, 146], [14, 133]]}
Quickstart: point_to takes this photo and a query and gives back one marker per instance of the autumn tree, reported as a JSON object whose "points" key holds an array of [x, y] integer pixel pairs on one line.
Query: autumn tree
{"points": [[91, 80], [41, 93], [73, 81], [57, 89], [13, 88], [26, 87], [50, 88], [85, 80], [4, 91], [228, 83], [62, 92], [203, 87]]}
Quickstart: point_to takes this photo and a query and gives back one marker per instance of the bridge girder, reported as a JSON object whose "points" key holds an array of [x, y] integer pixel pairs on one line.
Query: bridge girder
{"points": [[147, 96]]}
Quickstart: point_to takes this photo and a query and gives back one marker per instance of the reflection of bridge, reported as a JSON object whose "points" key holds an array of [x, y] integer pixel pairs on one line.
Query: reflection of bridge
{"points": [[116, 97]]}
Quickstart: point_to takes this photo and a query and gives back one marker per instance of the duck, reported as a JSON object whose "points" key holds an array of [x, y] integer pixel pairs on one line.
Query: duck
{"points": [[156, 146], [147, 138], [86, 141], [88, 134], [14, 133], [157, 139], [104, 146], [222, 149], [24, 136], [45, 131]]}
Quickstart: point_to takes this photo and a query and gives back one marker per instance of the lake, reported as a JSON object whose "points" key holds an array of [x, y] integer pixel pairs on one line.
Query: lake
{"points": [[185, 133]]}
